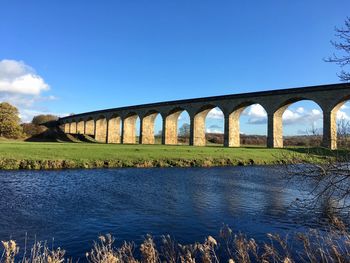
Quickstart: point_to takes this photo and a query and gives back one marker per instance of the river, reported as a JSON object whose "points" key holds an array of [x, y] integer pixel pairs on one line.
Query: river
{"points": [[71, 208]]}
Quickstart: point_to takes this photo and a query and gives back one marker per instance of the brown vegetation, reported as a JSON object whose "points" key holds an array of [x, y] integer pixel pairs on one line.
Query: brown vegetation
{"points": [[14, 164], [42, 128], [260, 140], [314, 246], [43, 119], [329, 180], [31, 129], [9, 121]]}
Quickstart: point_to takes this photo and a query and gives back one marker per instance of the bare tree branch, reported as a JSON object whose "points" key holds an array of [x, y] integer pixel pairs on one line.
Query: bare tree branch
{"points": [[343, 34]]}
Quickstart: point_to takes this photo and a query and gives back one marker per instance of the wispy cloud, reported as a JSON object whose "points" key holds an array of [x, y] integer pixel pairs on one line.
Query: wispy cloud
{"points": [[302, 116], [215, 113], [214, 129], [342, 115]]}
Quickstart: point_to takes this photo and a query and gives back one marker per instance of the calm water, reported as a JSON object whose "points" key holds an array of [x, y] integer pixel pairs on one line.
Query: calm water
{"points": [[75, 206]]}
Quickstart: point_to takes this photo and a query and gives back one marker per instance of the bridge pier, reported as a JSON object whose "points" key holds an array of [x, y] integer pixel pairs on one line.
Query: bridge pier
{"points": [[226, 131], [329, 139], [128, 131], [147, 129], [114, 130], [232, 136], [101, 129], [90, 127], [191, 139], [73, 127], [163, 130], [80, 127], [170, 128], [198, 128], [66, 127], [275, 130]]}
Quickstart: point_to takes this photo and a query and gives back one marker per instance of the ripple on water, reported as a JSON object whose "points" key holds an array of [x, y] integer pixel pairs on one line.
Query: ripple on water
{"points": [[75, 206]]}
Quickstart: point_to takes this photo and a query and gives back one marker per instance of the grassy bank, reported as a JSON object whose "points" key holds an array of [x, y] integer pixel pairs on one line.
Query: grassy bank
{"points": [[40, 155]]}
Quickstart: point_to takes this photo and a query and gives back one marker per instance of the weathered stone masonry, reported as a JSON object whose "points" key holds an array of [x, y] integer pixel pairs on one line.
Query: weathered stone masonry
{"points": [[118, 125]]}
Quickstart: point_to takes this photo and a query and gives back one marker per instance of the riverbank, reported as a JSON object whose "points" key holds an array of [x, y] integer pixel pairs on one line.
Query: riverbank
{"points": [[40, 155], [228, 246]]}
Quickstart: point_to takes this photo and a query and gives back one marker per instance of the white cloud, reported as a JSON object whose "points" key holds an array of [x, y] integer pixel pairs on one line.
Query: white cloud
{"points": [[21, 86], [344, 106], [214, 129], [343, 112], [257, 110], [215, 113], [256, 114], [17, 77], [342, 115], [301, 116], [300, 110], [290, 117]]}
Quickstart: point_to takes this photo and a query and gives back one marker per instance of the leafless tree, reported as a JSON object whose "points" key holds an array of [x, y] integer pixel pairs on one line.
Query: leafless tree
{"points": [[315, 135], [343, 132], [329, 182], [184, 130], [342, 45], [328, 175]]}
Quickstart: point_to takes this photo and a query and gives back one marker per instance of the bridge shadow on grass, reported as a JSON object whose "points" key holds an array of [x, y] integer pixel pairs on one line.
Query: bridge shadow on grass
{"points": [[314, 151], [320, 151]]}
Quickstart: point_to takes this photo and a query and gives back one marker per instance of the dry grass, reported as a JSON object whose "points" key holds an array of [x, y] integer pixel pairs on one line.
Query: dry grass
{"points": [[314, 246], [39, 253]]}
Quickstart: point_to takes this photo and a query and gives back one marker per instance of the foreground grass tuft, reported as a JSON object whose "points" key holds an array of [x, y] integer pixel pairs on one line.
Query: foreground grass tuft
{"points": [[333, 246]]}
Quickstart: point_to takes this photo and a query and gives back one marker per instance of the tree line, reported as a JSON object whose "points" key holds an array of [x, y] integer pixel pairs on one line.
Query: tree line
{"points": [[12, 128]]}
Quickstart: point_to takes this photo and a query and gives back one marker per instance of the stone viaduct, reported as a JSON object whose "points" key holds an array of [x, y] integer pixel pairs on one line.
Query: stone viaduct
{"points": [[118, 125]]}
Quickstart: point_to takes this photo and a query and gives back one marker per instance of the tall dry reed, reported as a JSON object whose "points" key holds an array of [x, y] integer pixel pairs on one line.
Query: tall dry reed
{"points": [[313, 246]]}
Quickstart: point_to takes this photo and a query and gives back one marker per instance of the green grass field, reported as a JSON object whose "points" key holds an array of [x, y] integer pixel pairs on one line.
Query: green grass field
{"points": [[42, 155]]}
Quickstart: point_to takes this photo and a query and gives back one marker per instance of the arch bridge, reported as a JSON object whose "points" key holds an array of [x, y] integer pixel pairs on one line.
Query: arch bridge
{"points": [[117, 125]]}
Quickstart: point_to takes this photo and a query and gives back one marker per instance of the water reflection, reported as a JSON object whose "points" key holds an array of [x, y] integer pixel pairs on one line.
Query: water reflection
{"points": [[75, 206]]}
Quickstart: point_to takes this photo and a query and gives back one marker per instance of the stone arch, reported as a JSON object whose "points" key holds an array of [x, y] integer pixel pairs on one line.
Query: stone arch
{"points": [[233, 126], [73, 127], [275, 123], [129, 128], [339, 103], [147, 135], [80, 126], [170, 125], [101, 129], [198, 125], [114, 129], [90, 126]]}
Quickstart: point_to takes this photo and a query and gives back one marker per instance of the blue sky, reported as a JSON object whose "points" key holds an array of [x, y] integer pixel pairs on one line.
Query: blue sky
{"points": [[89, 55]]}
